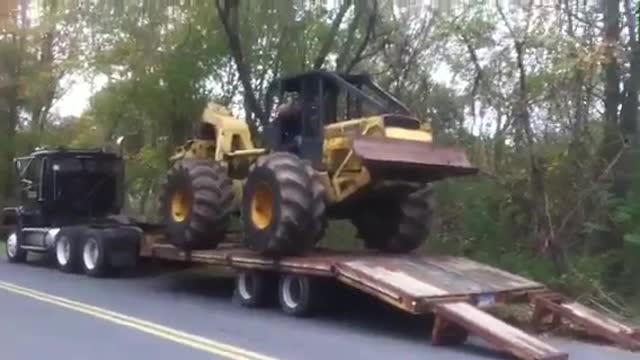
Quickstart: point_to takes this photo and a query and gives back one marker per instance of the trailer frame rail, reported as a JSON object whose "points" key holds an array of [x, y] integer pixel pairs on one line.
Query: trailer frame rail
{"points": [[455, 290]]}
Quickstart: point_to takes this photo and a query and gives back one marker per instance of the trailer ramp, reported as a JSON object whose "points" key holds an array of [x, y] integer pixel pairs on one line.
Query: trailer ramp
{"points": [[595, 323], [496, 332], [414, 283], [453, 289]]}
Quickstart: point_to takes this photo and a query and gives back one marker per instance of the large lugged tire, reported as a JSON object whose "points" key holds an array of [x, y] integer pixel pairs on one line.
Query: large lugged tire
{"points": [[277, 206], [197, 203], [319, 222], [399, 224]]}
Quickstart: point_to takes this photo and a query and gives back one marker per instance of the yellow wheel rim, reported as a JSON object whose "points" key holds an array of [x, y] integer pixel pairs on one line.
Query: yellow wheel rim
{"points": [[262, 206], [180, 205]]}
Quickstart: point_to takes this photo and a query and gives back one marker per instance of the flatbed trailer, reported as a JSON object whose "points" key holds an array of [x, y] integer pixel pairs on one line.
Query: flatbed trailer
{"points": [[455, 290]]}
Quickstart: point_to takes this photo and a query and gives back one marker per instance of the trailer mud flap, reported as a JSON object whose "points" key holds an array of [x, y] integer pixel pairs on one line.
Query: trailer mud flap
{"points": [[591, 321], [464, 316]]}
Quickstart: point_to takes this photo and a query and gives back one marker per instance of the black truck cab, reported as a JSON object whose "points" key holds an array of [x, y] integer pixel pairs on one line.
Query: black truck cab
{"points": [[69, 200], [60, 188]]}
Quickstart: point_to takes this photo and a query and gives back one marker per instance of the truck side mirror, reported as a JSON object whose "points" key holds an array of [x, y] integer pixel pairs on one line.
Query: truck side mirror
{"points": [[17, 166], [120, 145]]}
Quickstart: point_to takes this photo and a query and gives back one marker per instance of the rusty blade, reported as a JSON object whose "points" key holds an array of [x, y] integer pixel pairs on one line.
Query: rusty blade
{"points": [[408, 159]]}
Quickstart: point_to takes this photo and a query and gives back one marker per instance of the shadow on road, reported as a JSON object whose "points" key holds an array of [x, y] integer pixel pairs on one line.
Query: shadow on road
{"points": [[345, 308]]}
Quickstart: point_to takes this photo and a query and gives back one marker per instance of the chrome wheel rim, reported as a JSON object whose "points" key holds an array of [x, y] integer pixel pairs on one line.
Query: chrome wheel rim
{"points": [[12, 245], [90, 254], [63, 250], [245, 286]]}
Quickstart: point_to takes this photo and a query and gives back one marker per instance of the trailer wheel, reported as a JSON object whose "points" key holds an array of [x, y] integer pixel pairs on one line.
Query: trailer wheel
{"points": [[397, 224], [15, 254], [277, 205], [297, 295], [67, 249], [95, 261], [253, 288]]}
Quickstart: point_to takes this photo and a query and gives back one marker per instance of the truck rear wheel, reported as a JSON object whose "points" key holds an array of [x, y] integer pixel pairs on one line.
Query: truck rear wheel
{"points": [[197, 204], [277, 206], [398, 223], [95, 258], [253, 288], [67, 250], [15, 254]]}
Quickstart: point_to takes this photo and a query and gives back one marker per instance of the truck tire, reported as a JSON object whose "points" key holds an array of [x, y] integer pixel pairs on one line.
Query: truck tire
{"points": [[15, 254], [253, 288], [277, 205], [95, 257], [298, 295], [67, 249], [318, 226], [197, 204], [399, 224]]}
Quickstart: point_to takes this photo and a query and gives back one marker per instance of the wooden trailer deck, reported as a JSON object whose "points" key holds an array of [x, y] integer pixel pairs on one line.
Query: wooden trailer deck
{"points": [[454, 289]]}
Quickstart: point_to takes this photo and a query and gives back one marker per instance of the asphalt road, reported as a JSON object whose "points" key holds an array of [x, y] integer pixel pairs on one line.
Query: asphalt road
{"points": [[37, 326]]}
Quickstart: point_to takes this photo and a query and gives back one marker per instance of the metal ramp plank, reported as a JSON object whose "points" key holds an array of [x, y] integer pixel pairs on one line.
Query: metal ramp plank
{"points": [[590, 320], [490, 278], [413, 283], [424, 277], [496, 332]]}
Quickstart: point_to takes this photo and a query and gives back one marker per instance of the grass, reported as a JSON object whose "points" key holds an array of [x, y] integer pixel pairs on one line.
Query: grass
{"points": [[2, 245]]}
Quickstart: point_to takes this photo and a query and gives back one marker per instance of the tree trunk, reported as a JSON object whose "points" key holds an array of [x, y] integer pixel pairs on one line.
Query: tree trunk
{"points": [[624, 170], [13, 101], [318, 63], [611, 140], [228, 15], [541, 222]]}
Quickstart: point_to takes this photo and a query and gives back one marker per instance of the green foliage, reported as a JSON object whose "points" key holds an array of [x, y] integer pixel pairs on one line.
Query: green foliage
{"points": [[143, 173], [341, 235], [163, 60], [626, 218]]}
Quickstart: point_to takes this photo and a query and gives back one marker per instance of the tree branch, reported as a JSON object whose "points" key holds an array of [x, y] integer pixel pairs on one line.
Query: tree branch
{"points": [[589, 191], [328, 43], [358, 56], [351, 32], [228, 15]]}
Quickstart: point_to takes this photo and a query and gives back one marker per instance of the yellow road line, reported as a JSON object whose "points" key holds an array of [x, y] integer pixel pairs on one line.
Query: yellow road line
{"points": [[190, 340]]}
